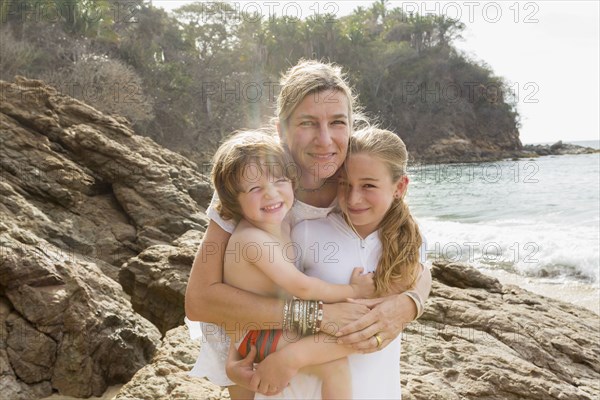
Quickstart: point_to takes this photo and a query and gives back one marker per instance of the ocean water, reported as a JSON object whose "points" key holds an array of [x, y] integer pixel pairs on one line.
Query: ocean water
{"points": [[531, 222]]}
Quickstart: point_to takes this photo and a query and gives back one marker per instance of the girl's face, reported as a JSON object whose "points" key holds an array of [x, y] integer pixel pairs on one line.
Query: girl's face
{"points": [[317, 135], [264, 198], [366, 191]]}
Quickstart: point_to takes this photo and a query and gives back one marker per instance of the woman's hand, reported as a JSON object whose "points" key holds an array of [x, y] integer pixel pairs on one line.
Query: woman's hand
{"points": [[387, 318], [241, 370]]}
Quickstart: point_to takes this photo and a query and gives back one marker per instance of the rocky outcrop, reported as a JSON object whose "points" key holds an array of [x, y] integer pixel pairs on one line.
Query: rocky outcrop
{"points": [[453, 112], [157, 278], [80, 194], [557, 149], [66, 326], [167, 376], [477, 339], [451, 138], [62, 151]]}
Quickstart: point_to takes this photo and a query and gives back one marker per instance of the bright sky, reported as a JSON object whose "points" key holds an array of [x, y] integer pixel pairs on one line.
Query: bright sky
{"points": [[547, 50]]}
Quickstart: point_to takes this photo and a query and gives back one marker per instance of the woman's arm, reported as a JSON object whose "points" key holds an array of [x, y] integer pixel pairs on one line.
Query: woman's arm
{"points": [[360, 319], [388, 317], [334, 316], [208, 299]]}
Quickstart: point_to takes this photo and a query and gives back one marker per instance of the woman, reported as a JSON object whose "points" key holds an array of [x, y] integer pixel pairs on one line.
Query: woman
{"points": [[315, 111]]}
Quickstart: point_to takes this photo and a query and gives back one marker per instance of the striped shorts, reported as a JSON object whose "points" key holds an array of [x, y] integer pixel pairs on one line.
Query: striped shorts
{"points": [[264, 340]]}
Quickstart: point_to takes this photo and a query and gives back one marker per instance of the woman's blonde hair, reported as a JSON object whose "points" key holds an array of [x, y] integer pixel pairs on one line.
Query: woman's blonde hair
{"points": [[313, 77], [234, 155], [399, 265]]}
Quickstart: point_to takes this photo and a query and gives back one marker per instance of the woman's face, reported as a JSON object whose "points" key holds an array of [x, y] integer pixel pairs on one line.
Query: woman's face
{"points": [[317, 135]]}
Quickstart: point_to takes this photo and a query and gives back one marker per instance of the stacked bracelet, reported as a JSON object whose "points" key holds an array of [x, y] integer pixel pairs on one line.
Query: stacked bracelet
{"points": [[286, 313], [319, 317], [303, 316]]}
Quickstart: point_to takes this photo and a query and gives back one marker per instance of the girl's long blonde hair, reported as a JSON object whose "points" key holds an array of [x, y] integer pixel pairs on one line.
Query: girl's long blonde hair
{"points": [[399, 266]]}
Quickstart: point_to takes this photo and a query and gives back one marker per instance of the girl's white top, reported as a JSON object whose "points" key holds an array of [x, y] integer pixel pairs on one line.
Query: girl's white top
{"points": [[330, 251]]}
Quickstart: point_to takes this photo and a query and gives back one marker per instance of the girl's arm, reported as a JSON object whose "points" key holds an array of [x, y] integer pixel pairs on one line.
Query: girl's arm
{"points": [[208, 299], [271, 259]]}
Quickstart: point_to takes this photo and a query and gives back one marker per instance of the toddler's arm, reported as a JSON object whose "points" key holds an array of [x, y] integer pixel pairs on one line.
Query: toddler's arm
{"points": [[281, 366], [272, 261]]}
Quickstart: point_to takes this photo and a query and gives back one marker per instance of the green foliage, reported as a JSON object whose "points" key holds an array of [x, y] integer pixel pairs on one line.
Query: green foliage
{"points": [[90, 18], [207, 69]]}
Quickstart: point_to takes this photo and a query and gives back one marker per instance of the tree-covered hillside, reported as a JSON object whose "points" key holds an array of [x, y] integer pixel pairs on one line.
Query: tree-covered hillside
{"points": [[189, 78]]}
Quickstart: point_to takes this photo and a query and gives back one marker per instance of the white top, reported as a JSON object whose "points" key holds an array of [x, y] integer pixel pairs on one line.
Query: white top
{"points": [[330, 251]]}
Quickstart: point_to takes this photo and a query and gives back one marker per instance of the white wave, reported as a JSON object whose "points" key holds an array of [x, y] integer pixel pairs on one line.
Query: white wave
{"points": [[527, 247]]}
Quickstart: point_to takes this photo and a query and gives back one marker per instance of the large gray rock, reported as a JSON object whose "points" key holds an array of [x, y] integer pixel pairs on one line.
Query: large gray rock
{"points": [[157, 278], [80, 194], [56, 149], [479, 339], [68, 326]]}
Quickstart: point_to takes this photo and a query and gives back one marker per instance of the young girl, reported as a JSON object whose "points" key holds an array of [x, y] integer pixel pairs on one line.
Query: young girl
{"points": [[253, 178], [375, 230]]}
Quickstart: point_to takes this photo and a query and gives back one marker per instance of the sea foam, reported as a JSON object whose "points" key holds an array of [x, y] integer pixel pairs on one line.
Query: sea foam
{"points": [[530, 248]]}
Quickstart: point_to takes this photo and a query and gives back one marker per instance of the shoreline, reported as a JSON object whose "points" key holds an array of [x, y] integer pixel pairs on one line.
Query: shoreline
{"points": [[527, 151], [580, 294]]}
